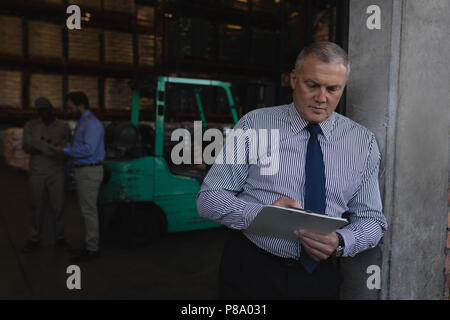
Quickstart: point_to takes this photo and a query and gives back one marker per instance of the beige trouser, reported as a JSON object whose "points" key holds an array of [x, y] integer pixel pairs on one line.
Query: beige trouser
{"points": [[88, 181], [43, 187]]}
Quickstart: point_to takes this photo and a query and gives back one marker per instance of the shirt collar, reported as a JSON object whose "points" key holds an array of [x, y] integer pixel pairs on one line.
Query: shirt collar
{"points": [[85, 115], [298, 123], [51, 124], [328, 125]]}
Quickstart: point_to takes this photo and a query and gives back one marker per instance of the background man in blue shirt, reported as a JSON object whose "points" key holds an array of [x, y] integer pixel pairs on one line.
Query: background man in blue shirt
{"points": [[87, 151]]}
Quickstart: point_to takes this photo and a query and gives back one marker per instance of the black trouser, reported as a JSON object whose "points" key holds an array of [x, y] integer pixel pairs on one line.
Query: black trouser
{"points": [[248, 272]]}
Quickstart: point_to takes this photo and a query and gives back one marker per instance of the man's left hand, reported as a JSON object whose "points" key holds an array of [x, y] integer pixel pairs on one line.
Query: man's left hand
{"points": [[318, 245]]}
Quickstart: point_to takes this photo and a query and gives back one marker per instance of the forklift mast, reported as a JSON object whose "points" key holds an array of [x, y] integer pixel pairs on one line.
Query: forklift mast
{"points": [[161, 104]]}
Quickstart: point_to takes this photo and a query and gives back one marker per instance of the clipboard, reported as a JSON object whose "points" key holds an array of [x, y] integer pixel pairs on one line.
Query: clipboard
{"points": [[279, 222], [43, 147]]}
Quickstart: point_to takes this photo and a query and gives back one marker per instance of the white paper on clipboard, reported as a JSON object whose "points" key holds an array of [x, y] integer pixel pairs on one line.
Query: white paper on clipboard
{"points": [[279, 222]]}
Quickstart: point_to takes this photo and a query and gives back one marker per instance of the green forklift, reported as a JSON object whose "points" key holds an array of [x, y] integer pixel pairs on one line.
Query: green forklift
{"points": [[143, 196]]}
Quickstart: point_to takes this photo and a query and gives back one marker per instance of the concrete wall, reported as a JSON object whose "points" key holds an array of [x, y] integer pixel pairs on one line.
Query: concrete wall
{"points": [[399, 88]]}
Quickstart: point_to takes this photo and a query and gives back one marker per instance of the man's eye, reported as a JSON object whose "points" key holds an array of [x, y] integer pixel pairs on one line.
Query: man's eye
{"points": [[311, 85], [332, 89]]}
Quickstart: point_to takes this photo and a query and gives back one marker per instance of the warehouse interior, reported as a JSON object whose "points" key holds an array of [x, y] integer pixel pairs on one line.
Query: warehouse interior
{"points": [[126, 43], [122, 47], [116, 57]]}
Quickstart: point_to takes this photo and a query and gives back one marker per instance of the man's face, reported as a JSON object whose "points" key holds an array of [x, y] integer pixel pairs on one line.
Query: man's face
{"points": [[46, 114], [318, 86], [73, 110]]}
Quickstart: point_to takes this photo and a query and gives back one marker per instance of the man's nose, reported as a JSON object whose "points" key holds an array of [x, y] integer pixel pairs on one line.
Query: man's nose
{"points": [[321, 96]]}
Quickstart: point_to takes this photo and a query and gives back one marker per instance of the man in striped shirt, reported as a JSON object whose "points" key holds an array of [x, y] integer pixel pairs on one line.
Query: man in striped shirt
{"points": [[262, 267]]}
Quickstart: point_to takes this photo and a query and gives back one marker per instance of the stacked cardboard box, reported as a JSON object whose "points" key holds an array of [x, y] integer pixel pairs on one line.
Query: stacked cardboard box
{"points": [[118, 94], [87, 84], [11, 148], [84, 44], [11, 36], [236, 4], [145, 15], [45, 39], [118, 47], [147, 49], [126, 6], [10, 89], [321, 24], [266, 6], [86, 3], [48, 86], [146, 42]]}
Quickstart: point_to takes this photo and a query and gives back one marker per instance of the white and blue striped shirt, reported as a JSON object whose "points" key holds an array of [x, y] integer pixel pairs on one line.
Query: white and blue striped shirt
{"points": [[233, 194]]}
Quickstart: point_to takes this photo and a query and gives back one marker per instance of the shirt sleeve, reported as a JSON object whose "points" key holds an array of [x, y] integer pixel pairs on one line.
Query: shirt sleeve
{"points": [[85, 146], [68, 133], [367, 222], [217, 198]]}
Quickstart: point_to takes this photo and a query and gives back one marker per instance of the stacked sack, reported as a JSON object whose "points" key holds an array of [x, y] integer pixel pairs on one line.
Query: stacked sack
{"points": [[11, 148]]}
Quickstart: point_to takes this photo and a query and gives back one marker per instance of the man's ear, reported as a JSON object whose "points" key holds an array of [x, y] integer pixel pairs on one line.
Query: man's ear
{"points": [[293, 78]]}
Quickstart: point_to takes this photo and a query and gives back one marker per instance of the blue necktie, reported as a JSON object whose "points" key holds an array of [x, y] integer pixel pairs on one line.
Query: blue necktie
{"points": [[314, 185]]}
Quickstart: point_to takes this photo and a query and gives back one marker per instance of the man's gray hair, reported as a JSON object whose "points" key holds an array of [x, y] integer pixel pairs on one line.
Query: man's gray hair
{"points": [[325, 51]]}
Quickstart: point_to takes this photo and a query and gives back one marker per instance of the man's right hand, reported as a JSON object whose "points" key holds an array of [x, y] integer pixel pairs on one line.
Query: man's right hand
{"points": [[286, 202], [319, 246], [57, 148]]}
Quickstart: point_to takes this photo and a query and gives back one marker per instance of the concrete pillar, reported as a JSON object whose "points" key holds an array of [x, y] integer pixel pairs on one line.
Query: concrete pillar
{"points": [[399, 88]]}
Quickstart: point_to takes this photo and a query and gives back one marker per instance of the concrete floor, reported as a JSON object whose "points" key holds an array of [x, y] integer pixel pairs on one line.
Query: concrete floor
{"points": [[179, 266]]}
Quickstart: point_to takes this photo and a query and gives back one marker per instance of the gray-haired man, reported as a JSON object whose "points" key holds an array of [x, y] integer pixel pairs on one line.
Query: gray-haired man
{"points": [[327, 163]]}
